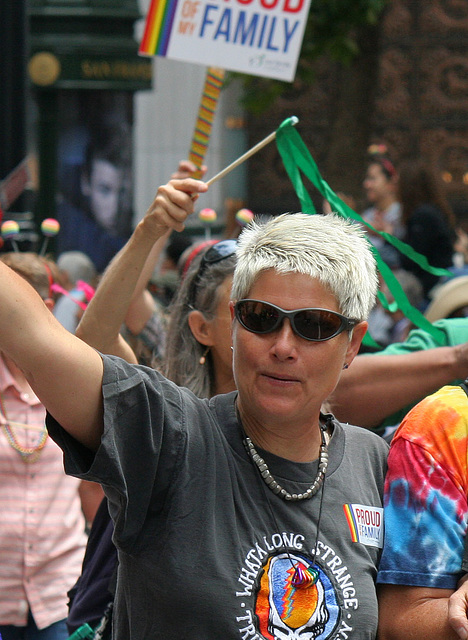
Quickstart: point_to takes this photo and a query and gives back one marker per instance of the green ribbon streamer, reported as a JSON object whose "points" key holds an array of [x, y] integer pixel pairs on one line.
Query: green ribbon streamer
{"points": [[296, 159]]}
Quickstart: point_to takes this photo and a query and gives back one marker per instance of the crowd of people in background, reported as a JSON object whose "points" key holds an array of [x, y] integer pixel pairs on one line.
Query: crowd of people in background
{"points": [[78, 555]]}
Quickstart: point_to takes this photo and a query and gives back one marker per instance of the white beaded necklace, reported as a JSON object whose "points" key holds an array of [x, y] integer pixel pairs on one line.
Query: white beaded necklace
{"points": [[274, 486]]}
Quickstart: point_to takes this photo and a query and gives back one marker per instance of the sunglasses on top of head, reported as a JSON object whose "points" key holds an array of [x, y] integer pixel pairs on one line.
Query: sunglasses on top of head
{"points": [[316, 325], [217, 252]]}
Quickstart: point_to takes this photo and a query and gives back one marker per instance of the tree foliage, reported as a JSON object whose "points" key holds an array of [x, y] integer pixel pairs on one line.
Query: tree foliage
{"points": [[332, 29]]}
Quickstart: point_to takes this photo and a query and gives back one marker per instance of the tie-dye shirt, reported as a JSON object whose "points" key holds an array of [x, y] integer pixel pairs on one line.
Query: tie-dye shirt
{"points": [[426, 494]]}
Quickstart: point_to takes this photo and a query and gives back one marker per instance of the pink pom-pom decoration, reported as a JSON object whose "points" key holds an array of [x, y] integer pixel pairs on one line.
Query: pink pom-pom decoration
{"points": [[10, 229], [244, 216], [50, 227], [208, 216]]}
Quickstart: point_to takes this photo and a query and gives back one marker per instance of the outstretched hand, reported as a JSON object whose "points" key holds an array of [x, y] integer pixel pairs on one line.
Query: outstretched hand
{"points": [[173, 203], [458, 607]]}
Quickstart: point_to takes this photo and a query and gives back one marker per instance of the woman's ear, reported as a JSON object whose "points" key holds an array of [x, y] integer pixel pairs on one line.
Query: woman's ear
{"points": [[200, 328], [354, 344]]}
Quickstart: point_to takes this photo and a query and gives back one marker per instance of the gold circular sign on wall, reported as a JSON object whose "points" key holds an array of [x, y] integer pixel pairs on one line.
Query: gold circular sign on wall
{"points": [[44, 68]]}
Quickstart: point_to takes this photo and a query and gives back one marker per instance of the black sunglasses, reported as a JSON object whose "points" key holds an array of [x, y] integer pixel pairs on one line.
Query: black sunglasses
{"points": [[217, 252], [316, 325]]}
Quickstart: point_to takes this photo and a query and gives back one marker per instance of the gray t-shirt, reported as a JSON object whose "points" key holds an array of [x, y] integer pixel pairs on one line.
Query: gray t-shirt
{"points": [[206, 550]]}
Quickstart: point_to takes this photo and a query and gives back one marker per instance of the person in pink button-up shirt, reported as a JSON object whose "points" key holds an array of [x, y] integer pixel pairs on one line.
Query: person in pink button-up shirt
{"points": [[42, 525]]}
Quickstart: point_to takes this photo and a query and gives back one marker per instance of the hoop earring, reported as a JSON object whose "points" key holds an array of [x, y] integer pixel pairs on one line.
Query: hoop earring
{"points": [[203, 357]]}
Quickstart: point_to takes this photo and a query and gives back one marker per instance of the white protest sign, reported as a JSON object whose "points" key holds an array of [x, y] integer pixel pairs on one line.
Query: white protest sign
{"points": [[257, 37]]}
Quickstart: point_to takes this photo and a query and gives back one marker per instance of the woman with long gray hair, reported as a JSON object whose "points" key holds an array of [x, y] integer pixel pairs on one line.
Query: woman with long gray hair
{"points": [[198, 353]]}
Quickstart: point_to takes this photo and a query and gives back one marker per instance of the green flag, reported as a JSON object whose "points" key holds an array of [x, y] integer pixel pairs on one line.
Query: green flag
{"points": [[296, 159]]}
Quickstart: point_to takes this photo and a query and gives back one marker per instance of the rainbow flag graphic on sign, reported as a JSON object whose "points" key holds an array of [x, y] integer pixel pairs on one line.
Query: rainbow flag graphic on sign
{"points": [[158, 27]]}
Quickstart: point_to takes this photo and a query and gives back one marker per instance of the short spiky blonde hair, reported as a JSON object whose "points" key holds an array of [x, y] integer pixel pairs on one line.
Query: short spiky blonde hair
{"points": [[326, 247]]}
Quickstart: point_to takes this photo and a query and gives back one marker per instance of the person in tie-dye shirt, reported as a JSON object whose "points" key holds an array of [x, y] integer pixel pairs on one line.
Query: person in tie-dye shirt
{"points": [[425, 518]]}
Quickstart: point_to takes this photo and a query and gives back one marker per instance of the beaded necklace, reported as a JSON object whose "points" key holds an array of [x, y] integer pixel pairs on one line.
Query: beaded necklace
{"points": [[28, 454], [275, 486]]}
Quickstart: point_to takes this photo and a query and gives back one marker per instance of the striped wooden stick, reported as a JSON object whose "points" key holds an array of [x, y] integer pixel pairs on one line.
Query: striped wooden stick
{"points": [[209, 101]]}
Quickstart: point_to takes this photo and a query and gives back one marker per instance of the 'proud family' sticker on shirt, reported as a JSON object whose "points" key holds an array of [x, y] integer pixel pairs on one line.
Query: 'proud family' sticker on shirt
{"points": [[365, 524]]}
